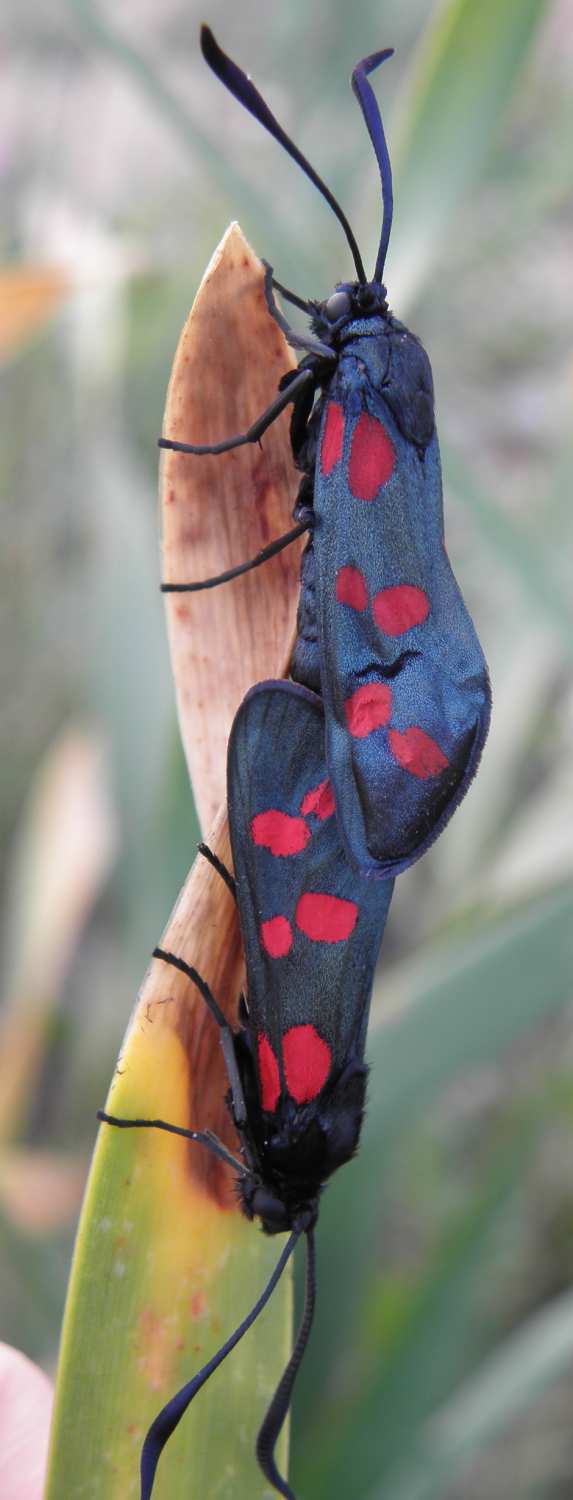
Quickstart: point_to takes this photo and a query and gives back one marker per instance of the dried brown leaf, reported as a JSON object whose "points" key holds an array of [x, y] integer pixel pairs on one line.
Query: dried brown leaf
{"points": [[203, 929], [220, 511], [29, 295]]}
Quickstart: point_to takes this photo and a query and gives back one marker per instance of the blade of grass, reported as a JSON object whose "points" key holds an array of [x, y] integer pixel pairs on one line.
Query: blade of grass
{"points": [[505, 1387], [475, 1001], [525, 557], [134, 62], [237, 185], [408, 1374], [463, 76], [459, 1008], [65, 847]]}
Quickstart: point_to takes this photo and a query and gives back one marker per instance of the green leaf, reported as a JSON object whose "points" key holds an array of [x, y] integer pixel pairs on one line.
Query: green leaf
{"points": [[161, 1277]]}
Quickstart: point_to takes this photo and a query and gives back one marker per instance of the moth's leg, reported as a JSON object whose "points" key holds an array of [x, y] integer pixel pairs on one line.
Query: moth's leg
{"points": [[254, 562], [217, 864], [202, 1137], [305, 306], [253, 433], [225, 1031], [296, 340]]}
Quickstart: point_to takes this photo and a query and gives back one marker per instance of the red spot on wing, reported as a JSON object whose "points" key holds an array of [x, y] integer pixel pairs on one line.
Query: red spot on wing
{"points": [[331, 445], [276, 937], [372, 458], [319, 800], [350, 588], [325, 919], [306, 1062], [368, 708], [279, 833], [268, 1073], [417, 752], [398, 609]]}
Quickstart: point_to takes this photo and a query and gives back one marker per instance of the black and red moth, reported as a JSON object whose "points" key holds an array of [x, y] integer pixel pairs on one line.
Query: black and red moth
{"points": [[311, 930], [349, 771], [383, 632]]}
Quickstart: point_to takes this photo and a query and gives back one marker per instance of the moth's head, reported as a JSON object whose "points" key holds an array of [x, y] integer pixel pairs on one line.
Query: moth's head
{"points": [[278, 1213], [350, 300]]}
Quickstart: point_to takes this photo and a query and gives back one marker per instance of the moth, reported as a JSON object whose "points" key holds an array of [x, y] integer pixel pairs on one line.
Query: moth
{"points": [[349, 770], [311, 930], [384, 635]]}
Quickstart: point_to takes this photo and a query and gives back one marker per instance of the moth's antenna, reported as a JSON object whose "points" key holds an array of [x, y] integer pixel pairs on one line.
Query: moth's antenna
{"points": [[267, 1438], [168, 1419], [371, 112], [244, 90]]}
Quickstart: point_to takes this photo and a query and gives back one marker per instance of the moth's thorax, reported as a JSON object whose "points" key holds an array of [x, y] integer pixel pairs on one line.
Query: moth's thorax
{"points": [[364, 360], [364, 328], [379, 360]]}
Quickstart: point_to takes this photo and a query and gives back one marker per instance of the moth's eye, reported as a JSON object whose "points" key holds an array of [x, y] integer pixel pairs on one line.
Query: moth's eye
{"points": [[337, 306]]}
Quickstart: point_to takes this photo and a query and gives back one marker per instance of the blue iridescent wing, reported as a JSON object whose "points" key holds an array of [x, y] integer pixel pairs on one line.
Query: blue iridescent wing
{"points": [[402, 673], [311, 926]]}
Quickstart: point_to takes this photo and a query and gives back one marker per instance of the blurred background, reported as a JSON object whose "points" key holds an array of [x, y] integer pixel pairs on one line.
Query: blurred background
{"points": [[443, 1353]]}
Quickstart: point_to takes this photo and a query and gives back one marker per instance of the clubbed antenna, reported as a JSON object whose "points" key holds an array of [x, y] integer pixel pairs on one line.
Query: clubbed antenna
{"points": [[168, 1419], [244, 90], [371, 112], [280, 1403]]}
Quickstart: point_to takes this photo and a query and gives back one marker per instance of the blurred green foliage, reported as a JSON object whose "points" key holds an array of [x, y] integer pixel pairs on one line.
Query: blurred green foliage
{"points": [[443, 1354]]}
